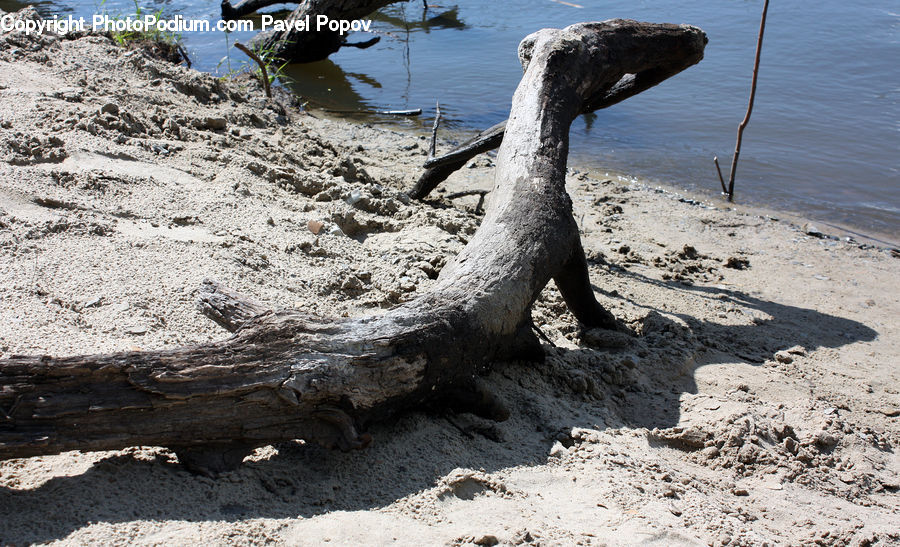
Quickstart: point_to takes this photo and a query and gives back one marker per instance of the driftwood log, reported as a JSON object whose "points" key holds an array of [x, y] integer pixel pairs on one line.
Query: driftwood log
{"points": [[308, 45], [438, 169], [287, 375]]}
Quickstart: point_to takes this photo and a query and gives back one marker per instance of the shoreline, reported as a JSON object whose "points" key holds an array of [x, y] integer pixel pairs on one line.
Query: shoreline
{"points": [[754, 398], [798, 219]]}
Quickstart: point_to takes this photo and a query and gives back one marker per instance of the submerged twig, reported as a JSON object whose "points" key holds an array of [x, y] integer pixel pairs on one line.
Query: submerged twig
{"points": [[743, 124], [570, 4], [262, 67], [413, 112], [434, 129], [719, 171]]}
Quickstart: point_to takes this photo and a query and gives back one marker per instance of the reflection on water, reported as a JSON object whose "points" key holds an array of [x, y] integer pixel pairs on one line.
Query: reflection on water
{"points": [[426, 22], [326, 85], [43, 6], [823, 139]]}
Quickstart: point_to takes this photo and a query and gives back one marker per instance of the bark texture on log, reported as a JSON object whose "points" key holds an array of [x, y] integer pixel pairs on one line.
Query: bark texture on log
{"points": [[286, 375], [438, 169], [307, 46]]}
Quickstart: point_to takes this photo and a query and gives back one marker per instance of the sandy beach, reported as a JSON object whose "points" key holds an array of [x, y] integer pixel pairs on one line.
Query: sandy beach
{"points": [[754, 401]]}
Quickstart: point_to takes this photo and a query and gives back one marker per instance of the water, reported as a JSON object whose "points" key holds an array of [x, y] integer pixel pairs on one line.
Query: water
{"points": [[823, 139]]}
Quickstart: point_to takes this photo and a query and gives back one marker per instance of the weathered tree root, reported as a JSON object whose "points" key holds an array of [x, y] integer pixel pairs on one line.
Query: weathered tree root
{"points": [[438, 169], [286, 375]]}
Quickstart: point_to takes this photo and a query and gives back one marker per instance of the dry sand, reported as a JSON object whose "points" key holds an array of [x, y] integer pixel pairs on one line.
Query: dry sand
{"points": [[757, 402]]}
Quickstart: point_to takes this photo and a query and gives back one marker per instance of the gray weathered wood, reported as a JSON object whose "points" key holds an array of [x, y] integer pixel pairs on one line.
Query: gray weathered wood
{"points": [[242, 8], [438, 169], [226, 307], [286, 375]]}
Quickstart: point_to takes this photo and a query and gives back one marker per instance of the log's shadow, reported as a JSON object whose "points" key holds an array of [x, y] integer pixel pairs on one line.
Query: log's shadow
{"points": [[413, 451], [770, 327]]}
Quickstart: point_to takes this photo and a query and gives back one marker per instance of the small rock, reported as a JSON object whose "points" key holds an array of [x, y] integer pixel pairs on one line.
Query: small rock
{"points": [[406, 284], [688, 251], [784, 357], [558, 450], [526, 537], [354, 197], [811, 230], [740, 492], [185, 220], [624, 249], [565, 439], [826, 439], [796, 350], [748, 454], [791, 445], [426, 267], [137, 330], [315, 226], [737, 263], [215, 123], [351, 283], [487, 540], [94, 302], [110, 108]]}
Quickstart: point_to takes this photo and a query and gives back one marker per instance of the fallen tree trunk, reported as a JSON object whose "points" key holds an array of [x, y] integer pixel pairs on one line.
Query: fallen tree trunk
{"points": [[438, 169], [244, 7], [306, 45], [287, 375]]}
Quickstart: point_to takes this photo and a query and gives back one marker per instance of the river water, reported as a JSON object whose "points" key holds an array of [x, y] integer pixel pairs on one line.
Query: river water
{"points": [[823, 140]]}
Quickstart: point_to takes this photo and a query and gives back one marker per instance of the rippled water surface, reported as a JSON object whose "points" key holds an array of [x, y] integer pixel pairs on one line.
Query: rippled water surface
{"points": [[824, 139]]}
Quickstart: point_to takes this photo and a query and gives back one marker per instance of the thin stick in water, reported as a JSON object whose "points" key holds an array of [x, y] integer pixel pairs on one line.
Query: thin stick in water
{"points": [[740, 132], [719, 171], [434, 129], [412, 112]]}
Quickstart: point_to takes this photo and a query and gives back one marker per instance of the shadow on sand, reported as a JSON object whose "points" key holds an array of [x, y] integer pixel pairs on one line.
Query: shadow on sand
{"points": [[414, 450]]}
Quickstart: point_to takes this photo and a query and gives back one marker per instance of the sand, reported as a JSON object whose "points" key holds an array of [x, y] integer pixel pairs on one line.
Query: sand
{"points": [[756, 402]]}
